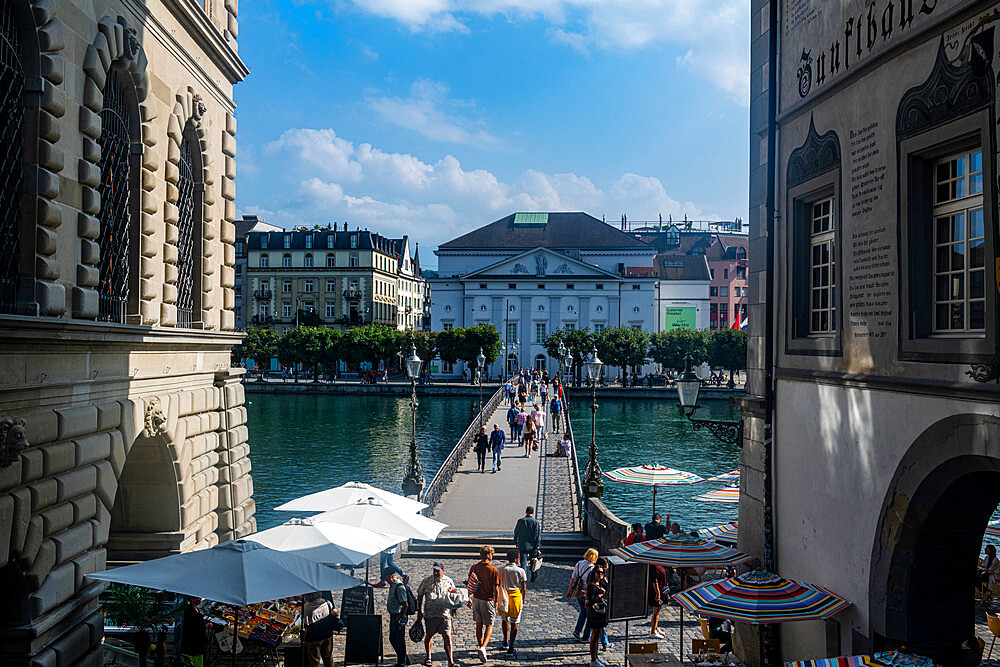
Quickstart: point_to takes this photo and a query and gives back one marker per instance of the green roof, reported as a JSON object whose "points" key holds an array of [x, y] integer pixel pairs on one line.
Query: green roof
{"points": [[530, 219]]}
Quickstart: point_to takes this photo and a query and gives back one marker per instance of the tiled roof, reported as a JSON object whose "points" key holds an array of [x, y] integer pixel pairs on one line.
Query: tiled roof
{"points": [[562, 230], [682, 267]]}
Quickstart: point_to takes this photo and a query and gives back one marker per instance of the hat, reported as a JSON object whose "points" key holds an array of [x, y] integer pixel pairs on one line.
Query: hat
{"points": [[438, 565]]}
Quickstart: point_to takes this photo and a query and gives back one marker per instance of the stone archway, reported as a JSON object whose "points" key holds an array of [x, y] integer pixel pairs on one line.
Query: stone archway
{"points": [[923, 568]]}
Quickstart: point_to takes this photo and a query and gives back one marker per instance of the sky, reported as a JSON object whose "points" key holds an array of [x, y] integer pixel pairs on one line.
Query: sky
{"points": [[434, 117]]}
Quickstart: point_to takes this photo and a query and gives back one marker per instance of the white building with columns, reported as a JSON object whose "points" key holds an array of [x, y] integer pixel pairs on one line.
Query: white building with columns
{"points": [[530, 274]]}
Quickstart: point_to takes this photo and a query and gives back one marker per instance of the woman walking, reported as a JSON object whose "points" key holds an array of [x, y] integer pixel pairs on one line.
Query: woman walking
{"points": [[578, 589], [529, 436], [597, 608]]}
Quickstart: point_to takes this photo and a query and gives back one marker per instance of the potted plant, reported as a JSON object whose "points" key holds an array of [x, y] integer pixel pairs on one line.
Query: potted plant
{"points": [[146, 610]]}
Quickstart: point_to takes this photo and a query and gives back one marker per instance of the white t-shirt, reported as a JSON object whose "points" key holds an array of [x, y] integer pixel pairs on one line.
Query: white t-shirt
{"points": [[581, 572], [512, 576]]}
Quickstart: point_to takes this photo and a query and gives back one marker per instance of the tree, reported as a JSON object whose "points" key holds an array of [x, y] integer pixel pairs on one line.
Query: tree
{"points": [[668, 348], [728, 349], [258, 345], [577, 341], [483, 337], [333, 350], [623, 347], [372, 343], [291, 349], [309, 318], [142, 608], [425, 341]]}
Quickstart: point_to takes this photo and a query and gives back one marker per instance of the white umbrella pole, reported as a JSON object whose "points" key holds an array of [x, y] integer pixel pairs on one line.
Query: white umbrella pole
{"points": [[302, 630], [682, 635]]}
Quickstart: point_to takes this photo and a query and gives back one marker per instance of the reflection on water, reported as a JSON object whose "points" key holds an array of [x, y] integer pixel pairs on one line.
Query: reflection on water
{"points": [[644, 432], [303, 444]]}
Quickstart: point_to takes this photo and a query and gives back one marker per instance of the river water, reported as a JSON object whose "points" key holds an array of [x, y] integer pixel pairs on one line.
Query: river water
{"points": [[302, 444]]}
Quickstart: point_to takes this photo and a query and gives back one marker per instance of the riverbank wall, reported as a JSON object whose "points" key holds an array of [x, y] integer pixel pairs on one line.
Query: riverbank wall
{"points": [[463, 389]]}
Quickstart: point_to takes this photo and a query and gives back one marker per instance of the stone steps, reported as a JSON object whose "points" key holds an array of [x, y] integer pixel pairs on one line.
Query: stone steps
{"points": [[556, 547]]}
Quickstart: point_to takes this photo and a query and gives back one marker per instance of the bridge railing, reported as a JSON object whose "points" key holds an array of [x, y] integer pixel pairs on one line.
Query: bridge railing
{"points": [[437, 487], [577, 484]]}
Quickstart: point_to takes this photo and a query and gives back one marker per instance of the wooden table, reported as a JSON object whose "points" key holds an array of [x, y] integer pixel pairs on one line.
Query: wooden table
{"points": [[643, 659]]}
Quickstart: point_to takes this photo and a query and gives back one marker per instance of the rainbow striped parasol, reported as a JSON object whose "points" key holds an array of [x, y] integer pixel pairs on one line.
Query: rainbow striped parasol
{"points": [[993, 528], [761, 597], [724, 533], [688, 552], [884, 659], [733, 476], [654, 476], [729, 494]]}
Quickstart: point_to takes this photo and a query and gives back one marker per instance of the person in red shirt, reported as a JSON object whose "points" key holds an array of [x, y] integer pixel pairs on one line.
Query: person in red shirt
{"points": [[636, 535], [484, 598]]}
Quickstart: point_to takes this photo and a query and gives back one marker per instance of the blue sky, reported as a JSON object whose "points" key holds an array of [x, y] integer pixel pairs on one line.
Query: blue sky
{"points": [[434, 117]]}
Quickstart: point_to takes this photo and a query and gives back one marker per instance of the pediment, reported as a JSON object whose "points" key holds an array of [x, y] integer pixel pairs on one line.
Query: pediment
{"points": [[541, 263]]}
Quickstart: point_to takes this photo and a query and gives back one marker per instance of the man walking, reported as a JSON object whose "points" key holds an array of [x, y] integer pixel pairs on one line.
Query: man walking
{"points": [[482, 445], [507, 392], [484, 598], [528, 538], [555, 409], [514, 581], [432, 607], [520, 420], [320, 620], [398, 609], [512, 421], [497, 440]]}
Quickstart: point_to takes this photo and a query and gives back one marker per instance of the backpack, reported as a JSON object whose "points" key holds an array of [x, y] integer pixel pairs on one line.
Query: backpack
{"points": [[411, 600]]}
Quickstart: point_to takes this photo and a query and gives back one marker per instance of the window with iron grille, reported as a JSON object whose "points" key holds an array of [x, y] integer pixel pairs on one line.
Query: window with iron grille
{"points": [[11, 169], [115, 214], [186, 205]]}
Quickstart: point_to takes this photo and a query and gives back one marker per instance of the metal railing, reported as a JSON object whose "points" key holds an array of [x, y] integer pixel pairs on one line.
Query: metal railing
{"points": [[580, 500], [437, 487]]}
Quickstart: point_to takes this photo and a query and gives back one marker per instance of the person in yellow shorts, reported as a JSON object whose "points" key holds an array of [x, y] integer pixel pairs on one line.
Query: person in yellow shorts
{"points": [[513, 582]]}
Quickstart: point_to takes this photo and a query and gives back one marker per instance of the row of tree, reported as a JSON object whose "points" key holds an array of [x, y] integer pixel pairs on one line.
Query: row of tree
{"points": [[625, 347], [317, 348]]}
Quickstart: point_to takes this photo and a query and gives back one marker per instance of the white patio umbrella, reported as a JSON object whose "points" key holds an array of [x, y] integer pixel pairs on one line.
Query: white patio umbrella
{"points": [[325, 541], [375, 515], [240, 572], [348, 494]]}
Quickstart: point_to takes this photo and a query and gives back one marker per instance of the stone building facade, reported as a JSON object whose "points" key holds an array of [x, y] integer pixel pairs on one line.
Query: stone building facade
{"points": [[122, 427], [243, 299], [874, 321], [340, 278]]}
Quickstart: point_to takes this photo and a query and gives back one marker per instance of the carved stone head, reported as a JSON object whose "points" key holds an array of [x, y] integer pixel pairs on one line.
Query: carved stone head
{"points": [[12, 440]]}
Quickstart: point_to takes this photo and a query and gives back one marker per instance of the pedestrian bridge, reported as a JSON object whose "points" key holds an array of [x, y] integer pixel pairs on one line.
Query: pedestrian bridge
{"points": [[483, 508]]}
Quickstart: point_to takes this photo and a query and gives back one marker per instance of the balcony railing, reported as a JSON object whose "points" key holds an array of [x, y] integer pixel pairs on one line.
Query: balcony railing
{"points": [[262, 319], [352, 294], [263, 294]]}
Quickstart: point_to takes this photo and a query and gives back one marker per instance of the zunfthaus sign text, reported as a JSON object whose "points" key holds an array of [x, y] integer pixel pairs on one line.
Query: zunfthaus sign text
{"points": [[831, 39]]}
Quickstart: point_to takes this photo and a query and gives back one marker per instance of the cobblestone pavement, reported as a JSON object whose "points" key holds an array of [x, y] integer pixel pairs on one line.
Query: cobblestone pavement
{"points": [[558, 510], [545, 633]]}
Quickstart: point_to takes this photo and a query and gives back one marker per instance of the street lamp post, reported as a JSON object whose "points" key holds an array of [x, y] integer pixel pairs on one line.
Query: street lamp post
{"points": [[688, 386], [567, 362], [593, 484], [413, 479], [480, 363]]}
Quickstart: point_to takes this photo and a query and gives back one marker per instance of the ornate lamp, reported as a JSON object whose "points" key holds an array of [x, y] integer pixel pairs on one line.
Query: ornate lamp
{"points": [[413, 479], [480, 363], [593, 483], [688, 387]]}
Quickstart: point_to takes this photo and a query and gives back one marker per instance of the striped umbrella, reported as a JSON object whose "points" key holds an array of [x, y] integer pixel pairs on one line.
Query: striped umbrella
{"points": [[725, 533], [733, 476], [761, 597], [893, 658], [689, 552], [993, 528], [653, 476], [729, 494]]}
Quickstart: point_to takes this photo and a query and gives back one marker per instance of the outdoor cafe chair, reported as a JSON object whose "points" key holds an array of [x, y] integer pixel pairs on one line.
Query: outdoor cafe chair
{"points": [[642, 647], [705, 645], [994, 624]]}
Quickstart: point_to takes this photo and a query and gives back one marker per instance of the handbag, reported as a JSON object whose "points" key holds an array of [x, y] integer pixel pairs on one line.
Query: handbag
{"points": [[417, 631], [536, 564]]}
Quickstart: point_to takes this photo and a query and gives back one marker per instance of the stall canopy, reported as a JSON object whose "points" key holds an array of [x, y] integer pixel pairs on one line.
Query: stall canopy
{"points": [[240, 573], [375, 515], [653, 475], [325, 541], [687, 552], [349, 494]]}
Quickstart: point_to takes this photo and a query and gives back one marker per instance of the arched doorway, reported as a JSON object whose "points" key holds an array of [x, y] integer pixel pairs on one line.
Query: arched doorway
{"points": [[923, 569], [540, 363], [511, 364]]}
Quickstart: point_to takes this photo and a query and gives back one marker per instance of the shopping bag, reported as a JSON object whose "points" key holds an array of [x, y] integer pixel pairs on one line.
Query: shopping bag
{"points": [[225, 641]]}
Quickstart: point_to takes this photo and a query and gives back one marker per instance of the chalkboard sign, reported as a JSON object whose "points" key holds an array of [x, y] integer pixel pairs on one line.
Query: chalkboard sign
{"points": [[357, 600], [627, 584], [364, 639]]}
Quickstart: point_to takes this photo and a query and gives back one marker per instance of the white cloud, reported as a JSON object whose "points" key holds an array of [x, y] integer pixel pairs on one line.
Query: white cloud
{"points": [[397, 193], [429, 111], [714, 34]]}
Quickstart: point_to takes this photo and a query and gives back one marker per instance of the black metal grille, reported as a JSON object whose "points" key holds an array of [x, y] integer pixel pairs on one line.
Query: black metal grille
{"points": [[11, 170], [185, 237], [115, 216]]}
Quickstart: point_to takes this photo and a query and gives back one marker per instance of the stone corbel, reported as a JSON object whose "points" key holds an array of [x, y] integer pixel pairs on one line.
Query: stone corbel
{"points": [[12, 440]]}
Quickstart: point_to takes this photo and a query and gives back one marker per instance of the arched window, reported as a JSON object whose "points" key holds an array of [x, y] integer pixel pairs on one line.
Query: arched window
{"points": [[741, 252], [286, 261], [309, 261], [330, 259], [540, 362], [188, 233], [265, 261], [11, 168], [115, 214]]}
